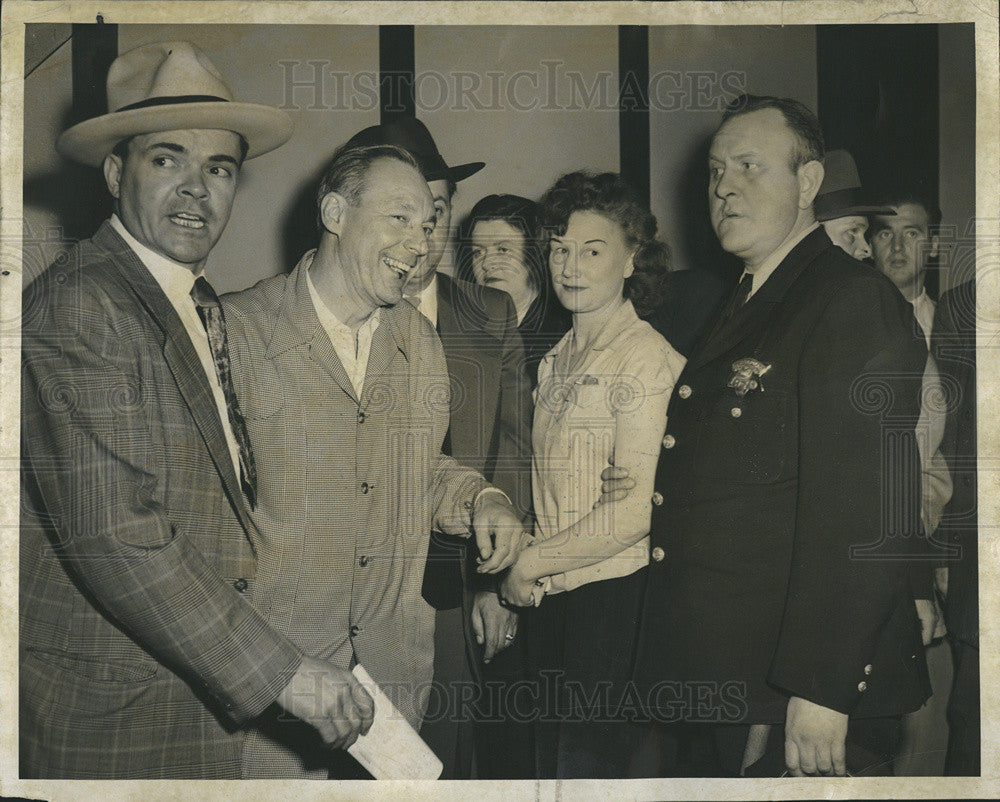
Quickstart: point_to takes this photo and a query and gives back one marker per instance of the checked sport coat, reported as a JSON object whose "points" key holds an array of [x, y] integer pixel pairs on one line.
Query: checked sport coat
{"points": [[140, 653]]}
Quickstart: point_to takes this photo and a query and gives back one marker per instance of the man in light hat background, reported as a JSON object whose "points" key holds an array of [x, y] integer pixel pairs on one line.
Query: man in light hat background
{"points": [[141, 655], [489, 431]]}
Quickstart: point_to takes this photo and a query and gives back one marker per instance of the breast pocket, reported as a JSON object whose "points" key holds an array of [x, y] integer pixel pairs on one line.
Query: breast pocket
{"points": [[748, 439]]}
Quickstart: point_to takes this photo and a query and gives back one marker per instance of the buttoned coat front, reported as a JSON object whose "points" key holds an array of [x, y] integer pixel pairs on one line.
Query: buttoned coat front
{"points": [[141, 655], [348, 488], [780, 551]]}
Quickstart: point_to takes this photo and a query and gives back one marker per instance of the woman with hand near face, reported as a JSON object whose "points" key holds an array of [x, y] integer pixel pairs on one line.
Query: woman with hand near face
{"points": [[602, 397], [500, 246]]}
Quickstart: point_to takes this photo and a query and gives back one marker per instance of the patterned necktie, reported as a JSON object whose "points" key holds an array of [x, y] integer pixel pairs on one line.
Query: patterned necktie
{"points": [[212, 318]]}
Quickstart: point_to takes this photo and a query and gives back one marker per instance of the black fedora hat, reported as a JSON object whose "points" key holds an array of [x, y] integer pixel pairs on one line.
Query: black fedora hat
{"points": [[412, 135]]}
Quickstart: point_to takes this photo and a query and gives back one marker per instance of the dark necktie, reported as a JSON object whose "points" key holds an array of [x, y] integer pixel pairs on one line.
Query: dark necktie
{"points": [[212, 318], [740, 296]]}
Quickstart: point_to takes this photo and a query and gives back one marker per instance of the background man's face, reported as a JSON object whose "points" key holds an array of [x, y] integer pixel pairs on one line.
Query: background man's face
{"points": [[848, 234], [901, 246], [439, 240], [753, 192], [175, 190], [384, 235]]}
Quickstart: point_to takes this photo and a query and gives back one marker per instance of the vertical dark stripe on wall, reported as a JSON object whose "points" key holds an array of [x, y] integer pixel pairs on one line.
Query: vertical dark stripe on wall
{"points": [[95, 46], [878, 98], [633, 106], [877, 89], [396, 65]]}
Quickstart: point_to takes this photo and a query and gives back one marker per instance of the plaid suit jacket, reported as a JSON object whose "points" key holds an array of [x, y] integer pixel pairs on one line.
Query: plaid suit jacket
{"points": [[348, 491], [141, 654]]}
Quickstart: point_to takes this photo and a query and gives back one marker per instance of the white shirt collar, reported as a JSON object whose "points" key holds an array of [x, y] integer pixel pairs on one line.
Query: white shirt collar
{"points": [[175, 279], [923, 311], [429, 301], [769, 265]]}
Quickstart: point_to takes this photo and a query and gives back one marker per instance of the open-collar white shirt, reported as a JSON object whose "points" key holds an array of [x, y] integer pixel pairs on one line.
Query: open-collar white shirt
{"points": [[353, 353]]}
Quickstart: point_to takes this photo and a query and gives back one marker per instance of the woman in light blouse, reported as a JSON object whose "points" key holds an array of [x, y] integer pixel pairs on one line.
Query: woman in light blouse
{"points": [[602, 397]]}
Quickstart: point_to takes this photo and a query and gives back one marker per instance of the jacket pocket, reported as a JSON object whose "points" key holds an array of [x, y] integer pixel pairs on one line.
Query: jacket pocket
{"points": [[749, 439]]}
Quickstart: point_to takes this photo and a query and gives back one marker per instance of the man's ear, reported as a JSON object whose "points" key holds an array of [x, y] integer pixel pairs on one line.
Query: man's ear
{"points": [[331, 211], [810, 176], [113, 174], [935, 243]]}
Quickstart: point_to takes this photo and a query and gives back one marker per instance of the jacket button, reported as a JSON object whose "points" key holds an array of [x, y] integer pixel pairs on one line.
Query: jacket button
{"points": [[657, 498], [684, 391], [736, 412], [363, 560], [657, 554], [365, 487], [241, 584], [355, 629], [868, 670], [361, 416], [862, 686], [669, 441]]}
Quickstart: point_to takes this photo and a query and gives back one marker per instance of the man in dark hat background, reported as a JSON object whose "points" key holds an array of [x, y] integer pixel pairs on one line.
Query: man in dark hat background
{"points": [[141, 655], [490, 430], [841, 207]]}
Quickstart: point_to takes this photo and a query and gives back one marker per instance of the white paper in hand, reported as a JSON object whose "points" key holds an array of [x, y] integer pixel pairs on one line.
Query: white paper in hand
{"points": [[392, 749]]}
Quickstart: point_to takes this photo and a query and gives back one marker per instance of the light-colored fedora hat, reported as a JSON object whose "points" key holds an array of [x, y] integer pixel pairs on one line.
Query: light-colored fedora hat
{"points": [[840, 194], [167, 86]]}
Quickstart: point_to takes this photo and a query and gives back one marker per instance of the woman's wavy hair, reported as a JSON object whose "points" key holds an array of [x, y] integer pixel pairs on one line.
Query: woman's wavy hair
{"points": [[611, 196], [520, 214]]}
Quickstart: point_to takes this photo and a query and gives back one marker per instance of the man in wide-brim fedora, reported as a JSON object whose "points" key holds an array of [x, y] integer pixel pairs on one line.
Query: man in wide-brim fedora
{"points": [[141, 655]]}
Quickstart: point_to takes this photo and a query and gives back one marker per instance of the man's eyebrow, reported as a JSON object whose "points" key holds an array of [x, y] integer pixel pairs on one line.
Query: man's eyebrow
{"points": [[224, 157], [171, 146]]}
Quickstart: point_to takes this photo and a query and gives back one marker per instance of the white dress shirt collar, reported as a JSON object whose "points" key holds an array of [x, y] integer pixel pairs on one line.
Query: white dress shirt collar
{"points": [[429, 301], [923, 311], [176, 281]]}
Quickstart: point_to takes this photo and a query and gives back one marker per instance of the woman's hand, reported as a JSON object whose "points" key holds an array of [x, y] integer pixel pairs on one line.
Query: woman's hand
{"points": [[516, 587]]}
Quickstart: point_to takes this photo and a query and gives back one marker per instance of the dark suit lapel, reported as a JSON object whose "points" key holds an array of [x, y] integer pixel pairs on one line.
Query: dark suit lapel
{"points": [[181, 358], [470, 365], [747, 320]]}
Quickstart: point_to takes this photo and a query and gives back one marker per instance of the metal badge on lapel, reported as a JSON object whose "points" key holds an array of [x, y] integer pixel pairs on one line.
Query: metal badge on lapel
{"points": [[746, 376]]}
